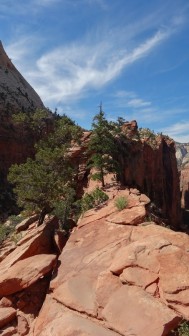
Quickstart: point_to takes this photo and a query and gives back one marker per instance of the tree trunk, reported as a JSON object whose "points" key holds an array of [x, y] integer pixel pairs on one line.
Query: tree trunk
{"points": [[102, 177], [42, 215]]}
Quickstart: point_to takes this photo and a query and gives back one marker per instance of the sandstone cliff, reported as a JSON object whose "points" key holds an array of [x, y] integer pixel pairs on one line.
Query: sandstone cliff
{"points": [[16, 140], [116, 275], [152, 167], [15, 91], [182, 155]]}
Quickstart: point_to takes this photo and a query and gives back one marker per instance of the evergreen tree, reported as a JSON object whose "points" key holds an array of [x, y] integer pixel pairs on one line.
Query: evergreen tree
{"points": [[43, 183], [102, 146]]}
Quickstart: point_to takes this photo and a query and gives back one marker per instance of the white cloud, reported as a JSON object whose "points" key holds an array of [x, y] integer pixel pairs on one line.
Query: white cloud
{"points": [[67, 72], [138, 103], [178, 131], [131, 100]]}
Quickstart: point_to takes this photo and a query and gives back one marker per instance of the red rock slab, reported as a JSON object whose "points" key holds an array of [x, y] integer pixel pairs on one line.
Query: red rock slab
{"points": [[174, 270], [96, 214], [138, 277], [6, 302], [78, 293], [90, 248], [105, 281], [132, 311], [132, 216], [179, 301], [38, 241], [144, 199], [142, 253], [6, 248], [23, 327], [6, 315], [25, 272], [26, 222], [10, 331], [179, 239], [109, 207], [55, 320]]}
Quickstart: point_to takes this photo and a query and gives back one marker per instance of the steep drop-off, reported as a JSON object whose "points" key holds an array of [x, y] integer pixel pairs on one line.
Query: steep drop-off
{"points": [[152, 167]]}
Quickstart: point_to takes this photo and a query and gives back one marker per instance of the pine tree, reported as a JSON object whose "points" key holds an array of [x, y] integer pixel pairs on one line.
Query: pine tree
{"points": [[43, 183], [102, 146]]}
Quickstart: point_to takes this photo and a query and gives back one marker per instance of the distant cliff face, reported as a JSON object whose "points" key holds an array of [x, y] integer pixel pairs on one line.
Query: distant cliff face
{"points": [[182, 154], [15, 92]]}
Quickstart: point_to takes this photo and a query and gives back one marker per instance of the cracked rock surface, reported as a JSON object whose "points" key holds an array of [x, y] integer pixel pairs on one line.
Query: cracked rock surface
{"points": [[118, 278]]}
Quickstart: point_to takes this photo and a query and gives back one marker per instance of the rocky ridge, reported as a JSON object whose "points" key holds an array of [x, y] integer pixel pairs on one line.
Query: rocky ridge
{"points": [[118, 274]]}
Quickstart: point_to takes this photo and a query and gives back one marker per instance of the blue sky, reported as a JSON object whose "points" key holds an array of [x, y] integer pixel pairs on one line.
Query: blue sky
{"points": [[133, 55]]}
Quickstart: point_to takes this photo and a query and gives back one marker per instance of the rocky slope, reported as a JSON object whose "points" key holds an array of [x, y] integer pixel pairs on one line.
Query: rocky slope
{"points": [[116, 275]]}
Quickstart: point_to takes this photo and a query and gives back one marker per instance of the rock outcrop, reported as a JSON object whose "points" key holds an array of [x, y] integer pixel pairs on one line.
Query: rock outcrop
{"points": [[118, 274], [150, 166], [117, 277], [153, 170], [25, 272]]}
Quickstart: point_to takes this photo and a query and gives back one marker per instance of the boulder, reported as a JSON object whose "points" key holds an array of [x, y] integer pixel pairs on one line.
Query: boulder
{"points": [[39, 240], [25, 272], [10, 331], [140, 315], [26, 222], [56, 320], [6, 315]]}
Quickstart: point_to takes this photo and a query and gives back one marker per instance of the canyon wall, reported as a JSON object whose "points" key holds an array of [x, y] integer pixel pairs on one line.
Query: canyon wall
{"points": [[152, 167]]}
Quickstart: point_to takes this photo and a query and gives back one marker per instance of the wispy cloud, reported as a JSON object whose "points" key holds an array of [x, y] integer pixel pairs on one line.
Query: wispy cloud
{"points": [[178, 131], [22, 7], [131, 100], [67, 72]]}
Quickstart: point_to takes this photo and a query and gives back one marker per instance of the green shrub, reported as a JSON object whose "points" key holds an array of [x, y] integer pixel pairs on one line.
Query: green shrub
{"points": [[95, 198], [7, 229], [14, 220], [4, 232], [121, 202], [183, 329]]}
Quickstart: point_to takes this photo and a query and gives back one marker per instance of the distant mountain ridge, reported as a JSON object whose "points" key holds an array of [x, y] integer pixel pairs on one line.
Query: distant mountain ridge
{"points": [[15, 92], [182, 154]]}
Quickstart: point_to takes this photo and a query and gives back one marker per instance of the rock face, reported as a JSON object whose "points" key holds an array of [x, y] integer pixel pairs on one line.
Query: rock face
{"points": [[15, 92], [118, 274], [25, 272], [16, 141], [153, 170], [182, 154], [150, 167], [118, 278]]}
